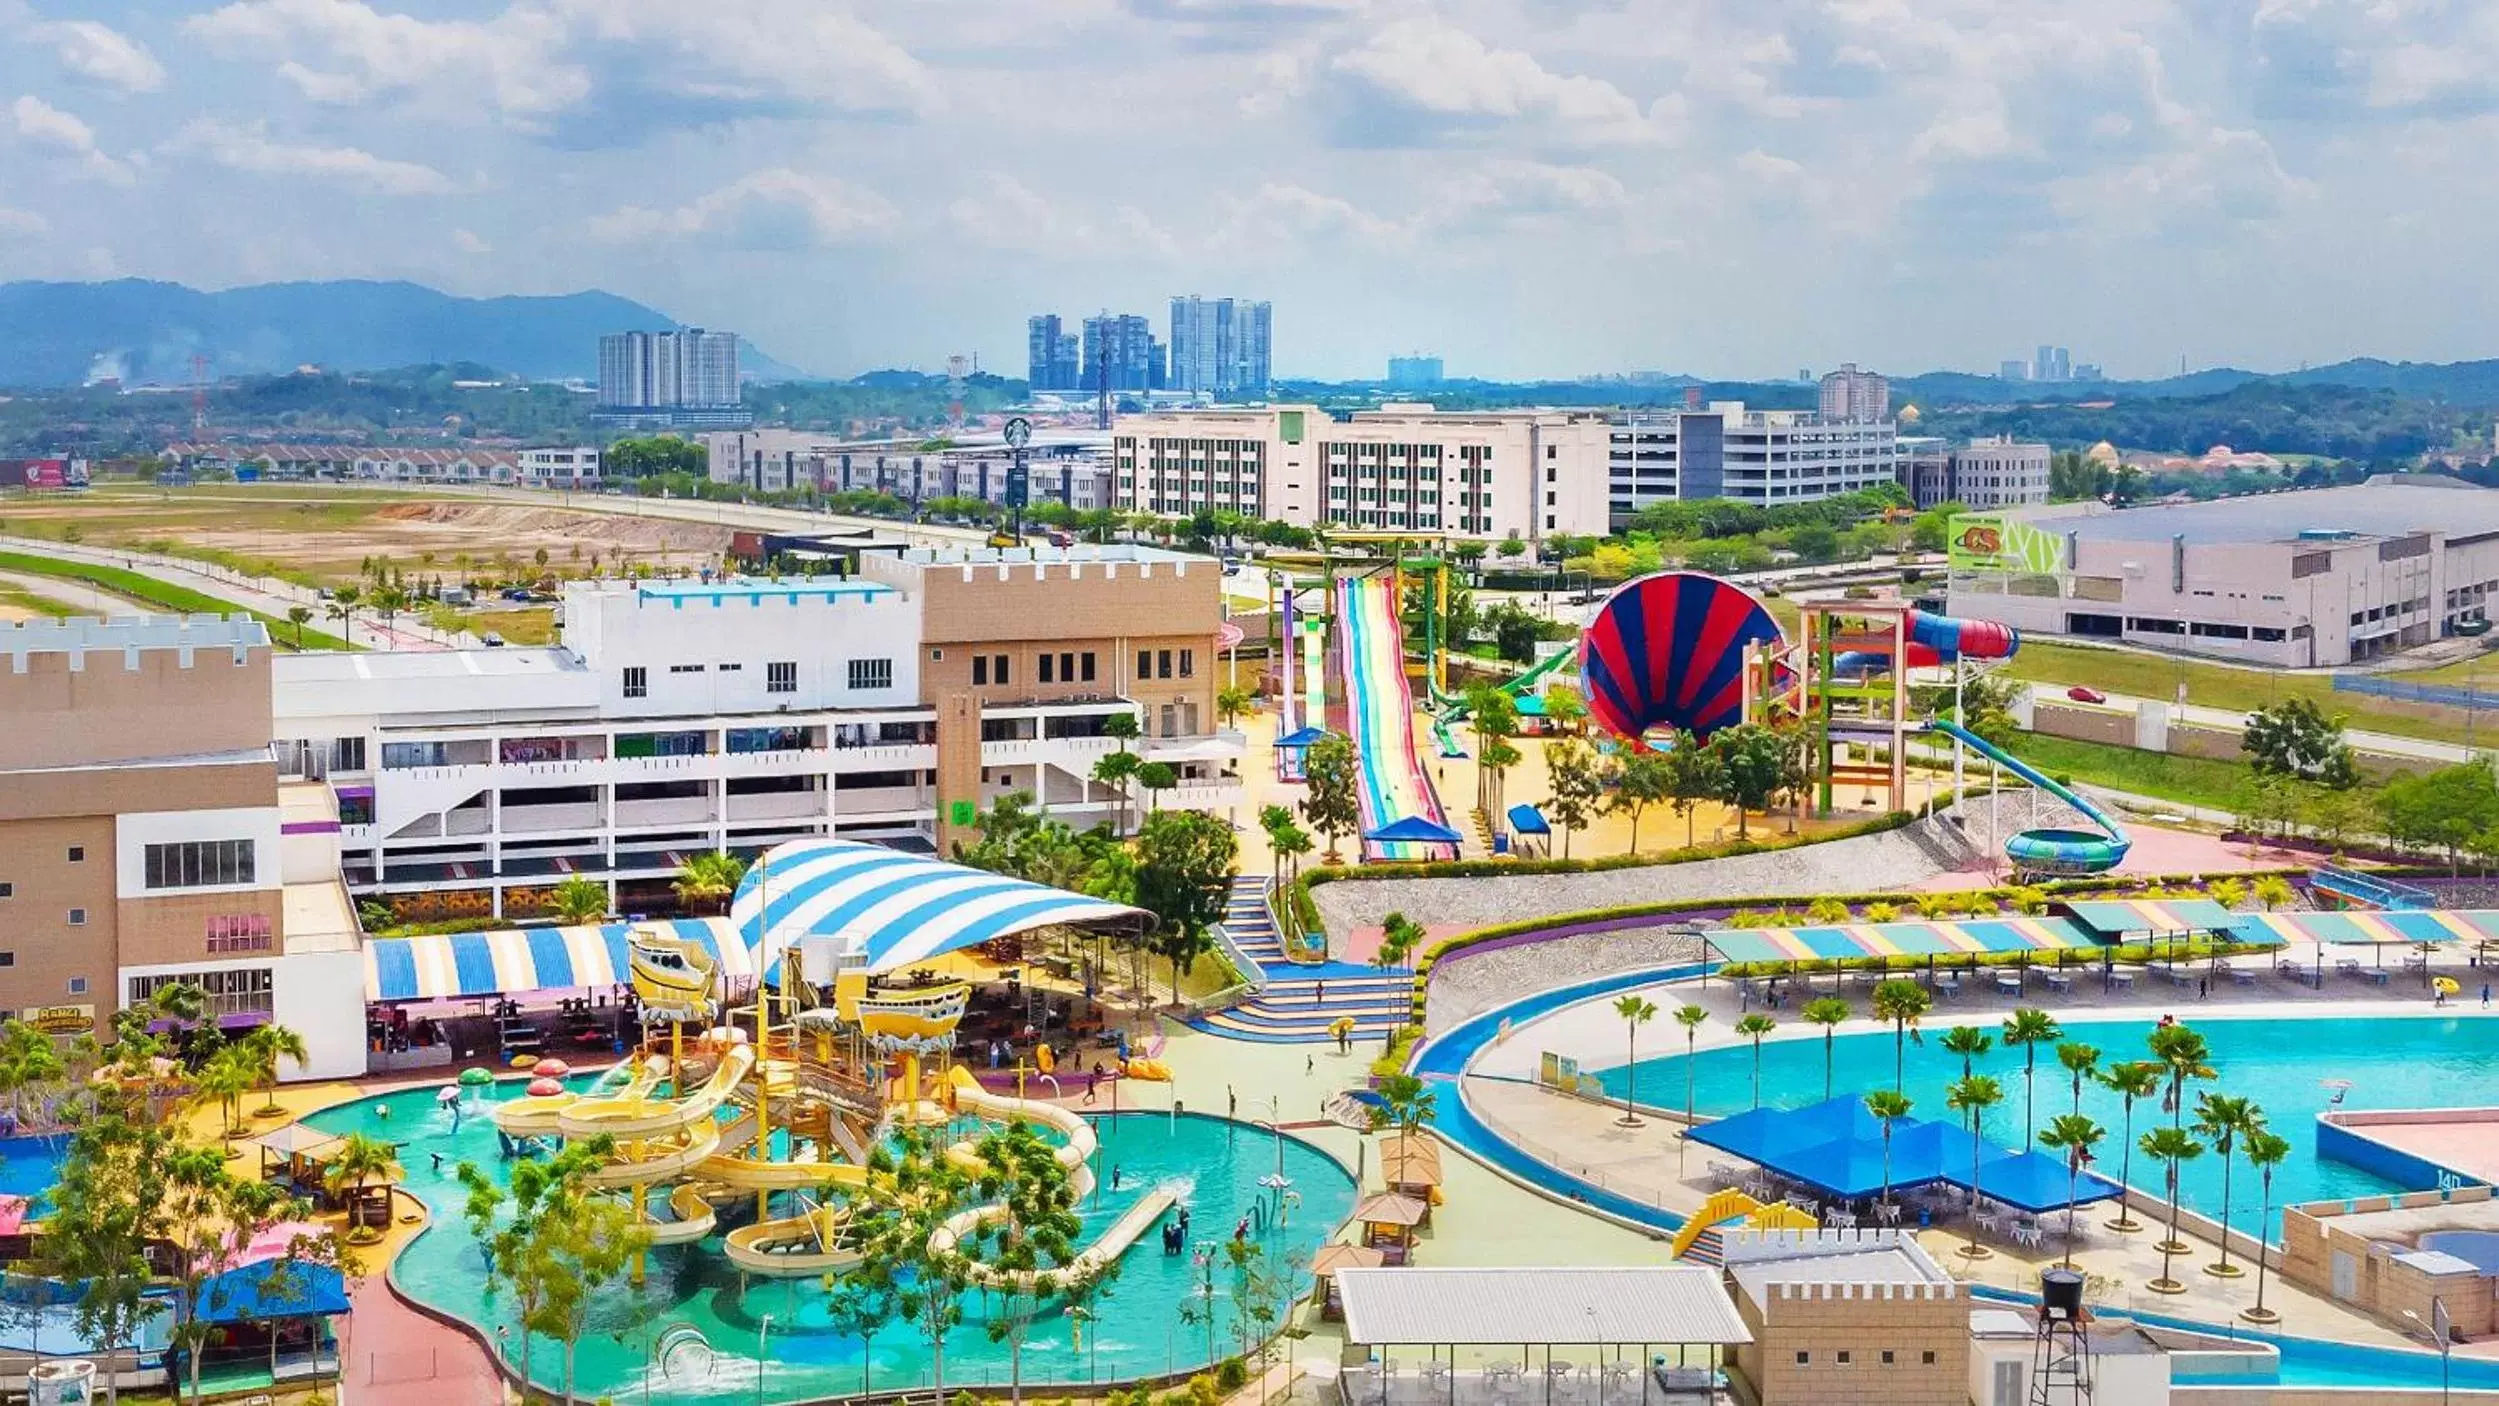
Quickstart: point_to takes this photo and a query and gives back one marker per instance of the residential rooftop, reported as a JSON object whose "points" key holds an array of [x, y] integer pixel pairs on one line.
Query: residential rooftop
{"points": [[2386, 506]]}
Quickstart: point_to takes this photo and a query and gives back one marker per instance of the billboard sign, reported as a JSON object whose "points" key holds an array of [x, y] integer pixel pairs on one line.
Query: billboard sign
{"points": [[1995, 542], [61, 1020]]}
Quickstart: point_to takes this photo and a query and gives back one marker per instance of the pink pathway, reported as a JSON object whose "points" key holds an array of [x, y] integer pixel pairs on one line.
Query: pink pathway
{"points": [[2156, 850], [397, 1356]]}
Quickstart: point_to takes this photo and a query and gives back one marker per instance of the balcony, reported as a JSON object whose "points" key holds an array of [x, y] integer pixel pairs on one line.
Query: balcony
{"points": [[851, 804], [1205, 747], [777, 805], [1218, 795], [665, 810], [537, 820], [885, 756]]}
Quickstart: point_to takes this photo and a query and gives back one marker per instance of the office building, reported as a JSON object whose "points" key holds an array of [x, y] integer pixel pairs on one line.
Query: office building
{"points": [[2303, 580], [1988, 472], [1850, 395], [1222, 346], [1415, 372], [1490, 475], [146, 837], [1062, 467], [2052, 364], [1054, 358], [685, 377], [677, 717], [1121, 354], [2012, 370], [1753, 456]]}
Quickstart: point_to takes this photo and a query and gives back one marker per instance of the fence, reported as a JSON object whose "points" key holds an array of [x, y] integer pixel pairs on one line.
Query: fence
{"points": [[2446, 695]]}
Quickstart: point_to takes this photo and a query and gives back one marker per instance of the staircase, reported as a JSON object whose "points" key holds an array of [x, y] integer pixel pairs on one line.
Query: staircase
{"points": [[1301, 1001]]}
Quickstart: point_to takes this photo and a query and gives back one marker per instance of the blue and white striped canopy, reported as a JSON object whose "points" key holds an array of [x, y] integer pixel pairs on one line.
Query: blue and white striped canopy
{"points": [[443, 966], [886, 909]]}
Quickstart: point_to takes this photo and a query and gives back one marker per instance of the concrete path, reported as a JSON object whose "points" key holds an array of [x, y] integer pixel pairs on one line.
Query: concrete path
{"points": [[266, 594], [1300, 1003]]}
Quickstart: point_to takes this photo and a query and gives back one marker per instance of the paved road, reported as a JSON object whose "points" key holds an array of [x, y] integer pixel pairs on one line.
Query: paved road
{"points": [[266, 594], [2223, 718], [749, 515]]}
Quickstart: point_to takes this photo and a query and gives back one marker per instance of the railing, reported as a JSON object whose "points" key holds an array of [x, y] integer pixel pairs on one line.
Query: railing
{"points": [[2447, 695], [663, 810], [1642, 1192]]}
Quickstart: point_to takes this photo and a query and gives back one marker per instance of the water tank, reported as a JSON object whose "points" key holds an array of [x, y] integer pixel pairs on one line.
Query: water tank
{"points": [[62, 1383], [2060, 1293]]}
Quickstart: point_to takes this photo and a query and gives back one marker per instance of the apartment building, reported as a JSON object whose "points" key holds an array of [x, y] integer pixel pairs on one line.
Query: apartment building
{"points": [[145, 837], [1490, 475], [1851, 394], [1071, 472], [685, 716], [1756, 456], [1988, 472]]}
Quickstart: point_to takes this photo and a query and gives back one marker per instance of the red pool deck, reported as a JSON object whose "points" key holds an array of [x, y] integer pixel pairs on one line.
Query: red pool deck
{"points": [[2461, 1139], [396, 1356]]}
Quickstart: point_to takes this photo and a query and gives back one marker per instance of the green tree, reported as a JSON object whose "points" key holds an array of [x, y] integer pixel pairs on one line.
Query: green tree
{"points": [[1399, 935], [1566, 710], [1971, 1097], [30, 1063], [1156, 778], [858, 1304], [578, 899], [1635, 1010], [899, 1240], [2073, 1136], [1692, 776], [707, 881], [2028, 1028], [1691, 1018], [352, 1166], [1185, 863], [1753, 1027], [1231, 703], [1273, 819], [110, 1204], [1902, 1002], [1969, 1042], [1574, 784], [2173, 1149], [1406, 1103], [552, 1243], [1888, 1106], [344, 603], [654, 455], [2183, 1054], [2081, 1061], [2132, 1080], [1829, 1012], [262, 1052], [212, 1216], [1032, 1231], [1752, 767], [1331, 801], [1116, 770], [1122, 728], [1640, 782], [2295, 738], [2265, 1151], [299, 616], [2222, 1120], [1814, 543]]}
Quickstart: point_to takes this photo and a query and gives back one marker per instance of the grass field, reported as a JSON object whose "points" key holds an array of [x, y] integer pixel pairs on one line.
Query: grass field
{"points": [[34, 606], [2195, 781], [151, 592], [535, 626], [2219, 686]]}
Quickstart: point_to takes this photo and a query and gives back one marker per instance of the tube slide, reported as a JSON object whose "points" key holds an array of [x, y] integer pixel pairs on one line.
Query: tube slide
{"points": [[795, 1247], [690, 1217], [1314, 673], [535, 1115], [1937, 639], [1380, 706], [2050, 851]]}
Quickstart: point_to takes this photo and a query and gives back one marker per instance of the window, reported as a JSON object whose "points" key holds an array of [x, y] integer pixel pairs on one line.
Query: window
{"points": [[782, 676], [195, 864], [998, 668], [347, 754], [1162, 663], [637, 682], [1804, 1359], [1145, 663], [1927, 1358], [731, 668], [980, 671], [685, 668], [78, 986], [8, 890], [78, 917], [1087, 658], [1843, 1356], [1887, 1357], [871, 673], [1047, 660], [77, 854], [1188, 663], [8, 959], [1067, 668]]}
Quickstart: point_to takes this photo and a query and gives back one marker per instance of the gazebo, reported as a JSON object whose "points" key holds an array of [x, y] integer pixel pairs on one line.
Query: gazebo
{"points": [[1410, 1166], [1323, 1268], [1388, 1222], [297, 1155]]}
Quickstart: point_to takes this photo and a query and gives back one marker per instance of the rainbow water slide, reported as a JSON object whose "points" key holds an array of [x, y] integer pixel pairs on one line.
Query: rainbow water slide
{"points": [[1379, 708]]}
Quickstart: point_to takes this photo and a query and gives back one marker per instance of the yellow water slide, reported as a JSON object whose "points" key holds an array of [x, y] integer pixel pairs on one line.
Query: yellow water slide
{"points": [[795, 1247], [658, 1139], [690, 1217], [535, 1115], [743, 1163]]}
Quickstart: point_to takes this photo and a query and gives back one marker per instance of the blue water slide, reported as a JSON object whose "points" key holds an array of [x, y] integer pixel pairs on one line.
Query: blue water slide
{"points": [[2050, 851]]}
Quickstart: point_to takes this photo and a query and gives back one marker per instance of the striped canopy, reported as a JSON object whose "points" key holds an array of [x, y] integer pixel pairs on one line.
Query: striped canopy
{"points": [[886, 909], [517, 960], [1668, 651], [2358, 928], [2114, 918], [1939, 939]]}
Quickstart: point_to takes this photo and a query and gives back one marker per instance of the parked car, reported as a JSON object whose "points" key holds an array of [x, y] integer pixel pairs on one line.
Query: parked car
{"points": [[2081, 694], [493, 640]]}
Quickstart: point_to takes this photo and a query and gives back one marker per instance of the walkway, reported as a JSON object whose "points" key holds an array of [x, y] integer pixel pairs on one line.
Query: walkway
{"points": [[397, 1356], [1301, 1000]]}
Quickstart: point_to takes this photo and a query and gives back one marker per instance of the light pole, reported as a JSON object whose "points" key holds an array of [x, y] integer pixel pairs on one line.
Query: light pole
{"points": [[2440, 1328], [763, 1355]]}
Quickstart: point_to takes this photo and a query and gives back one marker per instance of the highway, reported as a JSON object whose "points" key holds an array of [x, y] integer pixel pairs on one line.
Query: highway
{"points": [[2197, 715]]}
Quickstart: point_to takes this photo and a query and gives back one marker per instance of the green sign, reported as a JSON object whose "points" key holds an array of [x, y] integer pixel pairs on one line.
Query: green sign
{"points": [[1995, 542], [962, 813]]}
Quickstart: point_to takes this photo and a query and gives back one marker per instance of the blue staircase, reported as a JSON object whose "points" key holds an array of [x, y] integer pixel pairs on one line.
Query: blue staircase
{"points": [[1301, 1000]]}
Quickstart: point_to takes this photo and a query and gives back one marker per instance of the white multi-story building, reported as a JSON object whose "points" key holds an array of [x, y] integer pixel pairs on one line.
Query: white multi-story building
{"points": [[1488, 475], [1069, 470], [560, 466], [1851, 394], [681, 717], [688, 368], [1753, 456]]}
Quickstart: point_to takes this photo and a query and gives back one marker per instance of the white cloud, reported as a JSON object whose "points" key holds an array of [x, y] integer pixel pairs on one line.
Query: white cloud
{"points": [[22, 224], [345, 51], [1278, 217], [776, 208], [762, 51], [46, 128], [1008, 214], [469, 243], [249, 148], [1447, 72], [100, 54]]}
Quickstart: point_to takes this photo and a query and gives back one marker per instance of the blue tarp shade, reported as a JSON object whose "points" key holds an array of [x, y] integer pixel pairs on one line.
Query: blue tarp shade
{"points": [[259, 1292], [1414, 829], [1302, 737], [1837, 1146], [1527, 820]]}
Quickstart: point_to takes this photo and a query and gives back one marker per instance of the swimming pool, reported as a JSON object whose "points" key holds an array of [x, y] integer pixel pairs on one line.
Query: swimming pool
{"points": [[2478, 1248], [693, 1295], [31, 1166], [2282, 1064]]}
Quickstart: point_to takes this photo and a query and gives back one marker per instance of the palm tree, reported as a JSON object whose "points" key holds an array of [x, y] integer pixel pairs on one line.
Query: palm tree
{"points": [[1829, 1012], [1399, 935], [2080, 1060], [1900, 1002], [358, 1160], [2186, 1056], [262, 1049], [1755, 1026], [2173, 1148], [1231, 703], [2265, 1151], [1972, 1096], [221, 1083], [1888, 1107], [1636, 1011], [2130, 1081], [1969, 1042], [709, 879], [2222, 1119], [2030, 1028], [2272, 891], [579, 899], [1116, 770], [2074, 1135], [299, 616]]}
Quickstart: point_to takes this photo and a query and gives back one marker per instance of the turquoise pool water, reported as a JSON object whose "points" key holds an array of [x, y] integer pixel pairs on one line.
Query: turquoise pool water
{"points": [[2282, 1064], [29, 1166], [1139, 1330]]}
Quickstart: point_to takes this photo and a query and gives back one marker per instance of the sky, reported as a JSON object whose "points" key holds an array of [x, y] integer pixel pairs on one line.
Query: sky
{"points": [[1528, 188]]}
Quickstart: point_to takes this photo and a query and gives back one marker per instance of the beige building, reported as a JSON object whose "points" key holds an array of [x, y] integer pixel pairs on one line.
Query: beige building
{"points": [[1856, 1316], [144, 837], [1492, 475]]}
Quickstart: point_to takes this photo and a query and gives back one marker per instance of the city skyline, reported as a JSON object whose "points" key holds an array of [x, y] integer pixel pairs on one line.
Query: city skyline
{"points": [[1736, 189]]}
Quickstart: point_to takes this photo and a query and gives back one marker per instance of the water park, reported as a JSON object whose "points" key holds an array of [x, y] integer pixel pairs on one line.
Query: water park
{"points": [[1902, 1071]]}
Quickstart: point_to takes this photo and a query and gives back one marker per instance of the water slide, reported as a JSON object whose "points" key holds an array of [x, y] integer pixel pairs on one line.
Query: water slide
{"points": [[535, 1115], [2050, 851], [1454, 708], [814, 1242], [1379, 707], [1314, 672], [1933, 640]]}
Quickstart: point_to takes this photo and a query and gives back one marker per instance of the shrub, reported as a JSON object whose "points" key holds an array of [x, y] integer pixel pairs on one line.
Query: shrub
{"points": [[1232, 1374], [1203, 1391]]}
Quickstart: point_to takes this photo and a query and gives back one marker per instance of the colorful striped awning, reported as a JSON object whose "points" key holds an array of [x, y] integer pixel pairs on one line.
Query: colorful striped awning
{"points": [[886, 909], [1916, 939], [2366, 929], [2117, 918], [513, 961]]}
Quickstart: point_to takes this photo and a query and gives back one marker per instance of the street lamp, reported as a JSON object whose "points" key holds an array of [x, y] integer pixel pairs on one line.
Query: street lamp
{"points": [[2442, 1331]]}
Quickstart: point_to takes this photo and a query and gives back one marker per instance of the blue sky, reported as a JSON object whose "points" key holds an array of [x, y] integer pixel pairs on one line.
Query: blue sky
{"points": [[1528, 187]]}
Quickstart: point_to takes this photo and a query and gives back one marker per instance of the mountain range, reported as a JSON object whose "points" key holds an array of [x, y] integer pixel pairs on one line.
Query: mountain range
{"points": [[143, 332]]}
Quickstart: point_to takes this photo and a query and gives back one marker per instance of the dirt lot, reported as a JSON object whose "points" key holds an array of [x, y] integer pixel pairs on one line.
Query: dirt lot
{"points": [[330, 539]]}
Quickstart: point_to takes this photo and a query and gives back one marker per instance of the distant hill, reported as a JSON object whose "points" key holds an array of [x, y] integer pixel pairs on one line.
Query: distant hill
{"points": [[139, 331]]}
